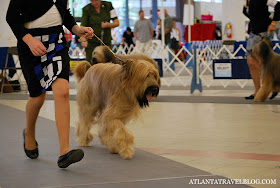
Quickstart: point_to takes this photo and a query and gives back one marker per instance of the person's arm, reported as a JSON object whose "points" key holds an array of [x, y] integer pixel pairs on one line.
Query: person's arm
{"points": [[151, 29], [82, 31], [71, 25], [152, 33], [245, 12], [113, 16], [179, 36], [168, 27], [135, 31], [276, 17], [114, 24], [166, 30], [123, 41], [15, 19], [135, 36], [69, 20]]}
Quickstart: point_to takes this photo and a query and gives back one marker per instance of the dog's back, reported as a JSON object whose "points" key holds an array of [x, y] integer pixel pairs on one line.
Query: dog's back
{"points": [[98, 83]]}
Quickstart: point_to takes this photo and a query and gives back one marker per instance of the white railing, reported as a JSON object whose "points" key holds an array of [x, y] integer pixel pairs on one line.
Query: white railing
{"points": [[208, 53], [180, 76], [180, 73]]}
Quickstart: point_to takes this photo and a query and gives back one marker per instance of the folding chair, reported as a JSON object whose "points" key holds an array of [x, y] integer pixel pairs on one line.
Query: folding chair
{"points": [[12, 69]]}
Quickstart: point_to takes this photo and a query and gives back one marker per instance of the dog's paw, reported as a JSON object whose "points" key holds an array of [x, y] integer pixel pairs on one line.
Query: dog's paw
{"points": [[83, 143], [258, 99], [113, 150], [128, 153], [90, 137]]}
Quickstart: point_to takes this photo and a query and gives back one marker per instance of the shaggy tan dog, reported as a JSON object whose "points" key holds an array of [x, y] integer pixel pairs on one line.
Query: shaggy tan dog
{"points": [[270, 62], [101, 54], [110, 95]]}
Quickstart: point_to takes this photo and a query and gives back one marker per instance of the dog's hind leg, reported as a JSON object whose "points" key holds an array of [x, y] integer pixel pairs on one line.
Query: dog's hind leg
{"points": [[117, 138], [264, 91], [105, 139], [86, 121]]}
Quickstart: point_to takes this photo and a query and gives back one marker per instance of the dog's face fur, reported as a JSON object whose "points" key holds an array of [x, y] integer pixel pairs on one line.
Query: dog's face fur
{"points": [[140, 68], [143, 78], [101, 54]]}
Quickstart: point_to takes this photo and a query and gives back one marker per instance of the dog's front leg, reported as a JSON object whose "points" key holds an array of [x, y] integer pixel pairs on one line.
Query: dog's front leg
{"points": [[117, 138]]}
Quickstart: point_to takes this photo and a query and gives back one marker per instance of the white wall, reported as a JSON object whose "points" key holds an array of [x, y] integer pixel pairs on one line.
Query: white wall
{"points": [[7, 37], [214, 9], [229, 11], [233, 13]]}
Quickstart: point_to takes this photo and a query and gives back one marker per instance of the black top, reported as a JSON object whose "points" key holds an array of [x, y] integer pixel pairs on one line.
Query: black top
{"points": [[23, 11], [259, 15], [128, 38]]}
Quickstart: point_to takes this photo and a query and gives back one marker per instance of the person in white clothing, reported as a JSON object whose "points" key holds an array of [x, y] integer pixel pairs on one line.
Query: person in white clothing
{"points": [[176, 41]]}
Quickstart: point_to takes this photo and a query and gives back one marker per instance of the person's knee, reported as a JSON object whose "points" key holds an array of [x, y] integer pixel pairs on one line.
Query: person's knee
{"points": [[63, 92], [38, 101], [61, 89], [252, 63]]}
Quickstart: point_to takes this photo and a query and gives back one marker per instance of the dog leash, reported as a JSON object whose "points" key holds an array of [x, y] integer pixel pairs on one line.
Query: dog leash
{"points": [[83, 39]]}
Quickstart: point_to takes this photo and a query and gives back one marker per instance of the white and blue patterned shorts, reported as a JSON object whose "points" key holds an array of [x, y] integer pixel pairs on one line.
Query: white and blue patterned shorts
{"points": [[41, 72], [254, 39]]}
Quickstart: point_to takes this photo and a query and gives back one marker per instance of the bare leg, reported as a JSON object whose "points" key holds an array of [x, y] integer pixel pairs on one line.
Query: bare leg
{"points": [[33, 107], [255, 70], [62, 113]]}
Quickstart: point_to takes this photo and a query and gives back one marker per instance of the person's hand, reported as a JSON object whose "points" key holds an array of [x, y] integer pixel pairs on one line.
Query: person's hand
{"points": [[84, 44], [271, 27], [86, 32], [36, 47], [105, 24]]}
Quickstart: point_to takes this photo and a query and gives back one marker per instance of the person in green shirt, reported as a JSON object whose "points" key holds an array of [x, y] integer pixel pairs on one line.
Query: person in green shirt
{"points": [[98, 14]]}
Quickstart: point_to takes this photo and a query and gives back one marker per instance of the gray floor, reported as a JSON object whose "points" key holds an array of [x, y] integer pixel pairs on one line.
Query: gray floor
{"points": [[98, 168], [181, 99]]}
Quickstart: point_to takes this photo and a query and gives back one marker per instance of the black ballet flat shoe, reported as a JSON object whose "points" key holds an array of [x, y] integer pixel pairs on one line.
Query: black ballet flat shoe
{"points": [[273, 95], [69, 158], [250, 97], [32, 154]]}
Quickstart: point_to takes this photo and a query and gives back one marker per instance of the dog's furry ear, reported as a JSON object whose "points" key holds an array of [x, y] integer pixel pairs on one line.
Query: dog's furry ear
{"points": [[267, 40], [129, 68], [81, 69], [265, 49]]}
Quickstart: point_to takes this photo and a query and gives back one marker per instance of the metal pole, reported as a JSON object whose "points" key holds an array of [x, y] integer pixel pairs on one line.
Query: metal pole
{"points": [[126, 14], [162, 24], [189, 24], [154, 13]]}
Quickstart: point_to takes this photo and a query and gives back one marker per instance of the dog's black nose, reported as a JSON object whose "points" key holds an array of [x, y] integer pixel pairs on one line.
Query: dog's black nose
{"points": [[154, 90], [93, 60]]}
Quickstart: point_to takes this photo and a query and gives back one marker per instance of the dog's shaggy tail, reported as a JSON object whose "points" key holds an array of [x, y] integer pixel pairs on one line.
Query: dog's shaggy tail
{"points": [[81, 69]]}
